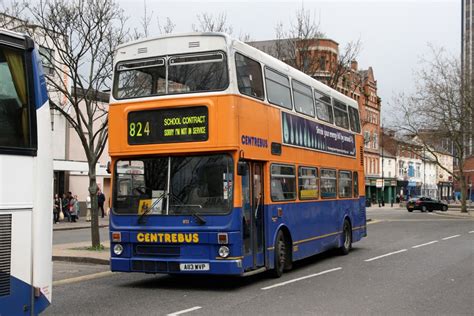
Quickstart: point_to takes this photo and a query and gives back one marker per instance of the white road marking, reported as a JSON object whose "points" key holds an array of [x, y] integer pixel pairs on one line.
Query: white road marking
{"points": [[299, 279], [471, 232], [425, 244], [446, 238], [385, 255], [185, 311]]}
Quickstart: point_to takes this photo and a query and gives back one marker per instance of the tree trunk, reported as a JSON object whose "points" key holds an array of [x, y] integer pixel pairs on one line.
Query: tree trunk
{"points": [[95, 236], [462, 179]]}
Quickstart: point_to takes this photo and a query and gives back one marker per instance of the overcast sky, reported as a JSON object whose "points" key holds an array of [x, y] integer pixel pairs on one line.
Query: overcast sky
{"points": [[394, 34]]}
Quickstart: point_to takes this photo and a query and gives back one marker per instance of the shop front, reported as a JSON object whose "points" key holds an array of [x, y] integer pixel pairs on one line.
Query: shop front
{"points": [[380, 191]]}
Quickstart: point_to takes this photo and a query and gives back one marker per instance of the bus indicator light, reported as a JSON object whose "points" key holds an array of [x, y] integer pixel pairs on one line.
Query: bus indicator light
{"points": [[222, 238], [116, 237]]}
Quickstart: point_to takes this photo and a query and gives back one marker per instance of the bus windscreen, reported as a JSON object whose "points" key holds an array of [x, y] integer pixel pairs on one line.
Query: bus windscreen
{"points": [[174, 185]]}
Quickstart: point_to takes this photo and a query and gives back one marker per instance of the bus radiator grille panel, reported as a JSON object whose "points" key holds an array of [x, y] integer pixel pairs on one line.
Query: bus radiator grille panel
{"points": [[154, 250], [154, 266]]}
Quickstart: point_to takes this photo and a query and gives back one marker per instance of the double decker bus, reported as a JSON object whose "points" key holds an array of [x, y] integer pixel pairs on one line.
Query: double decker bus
{"points": [[26, 179], [228, 161]]}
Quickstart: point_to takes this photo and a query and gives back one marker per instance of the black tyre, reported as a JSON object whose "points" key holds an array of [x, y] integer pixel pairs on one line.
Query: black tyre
{"points": [[347, 238], [281, 255], [410, 210], [423, 208], [444, 208]]}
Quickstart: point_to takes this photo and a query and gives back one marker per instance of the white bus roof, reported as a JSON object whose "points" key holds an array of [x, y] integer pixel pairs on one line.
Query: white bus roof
{"points": [[204, 41]]}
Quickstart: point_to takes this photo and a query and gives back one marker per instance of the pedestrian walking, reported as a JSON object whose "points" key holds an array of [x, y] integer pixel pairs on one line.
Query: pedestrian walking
{"points": [[65, 204], [77, 207], [73, 208], [100, 202], [56, 208]]}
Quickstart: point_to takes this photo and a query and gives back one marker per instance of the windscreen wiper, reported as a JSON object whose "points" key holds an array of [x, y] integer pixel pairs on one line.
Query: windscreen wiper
{"points": [[141, 218], [199, 219]]}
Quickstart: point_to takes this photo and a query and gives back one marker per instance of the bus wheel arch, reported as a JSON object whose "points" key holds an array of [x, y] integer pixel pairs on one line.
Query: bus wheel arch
{"points": [[346, 238], [283, 249]]}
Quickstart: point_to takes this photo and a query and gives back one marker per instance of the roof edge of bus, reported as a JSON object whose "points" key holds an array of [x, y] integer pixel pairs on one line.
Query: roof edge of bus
{"points": [[187, 34], [13, 34]]}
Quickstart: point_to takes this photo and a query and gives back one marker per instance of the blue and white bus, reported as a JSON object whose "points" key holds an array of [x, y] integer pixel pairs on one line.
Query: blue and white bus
{"points": [[26, 184]]}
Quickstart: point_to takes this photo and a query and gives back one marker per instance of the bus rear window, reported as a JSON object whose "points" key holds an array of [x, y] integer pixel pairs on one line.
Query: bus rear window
{"points": [[171, 75]]}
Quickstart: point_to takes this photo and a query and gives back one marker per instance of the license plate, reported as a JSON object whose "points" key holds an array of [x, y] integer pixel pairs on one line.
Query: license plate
{"points": [[194, 266]]}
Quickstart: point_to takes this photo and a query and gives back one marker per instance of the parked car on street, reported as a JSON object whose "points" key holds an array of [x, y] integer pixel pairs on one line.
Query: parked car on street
{"points": [[426, 204]]}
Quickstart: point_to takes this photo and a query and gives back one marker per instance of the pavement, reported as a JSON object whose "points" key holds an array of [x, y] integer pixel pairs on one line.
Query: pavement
{"points": [[80, 224], [77, 251]]}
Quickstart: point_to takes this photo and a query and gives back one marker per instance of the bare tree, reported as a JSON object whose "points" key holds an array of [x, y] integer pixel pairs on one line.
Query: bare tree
{"points": [[341, 70], [145, 23], [83, 35], [12, 16], [168, 28], [207, 22], [440, 108], [299, 47]]}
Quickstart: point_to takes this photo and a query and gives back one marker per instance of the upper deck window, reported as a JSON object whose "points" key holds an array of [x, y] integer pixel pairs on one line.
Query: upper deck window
{"points": [[140, 78], [354, 119], [278, 88], [171, 75], [323, 107], [249, 76], [340, 115], [303, 98]]}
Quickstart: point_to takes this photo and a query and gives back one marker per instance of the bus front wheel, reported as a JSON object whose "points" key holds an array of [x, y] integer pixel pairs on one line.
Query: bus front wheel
{"points": [[281, 255], [347, 238]]}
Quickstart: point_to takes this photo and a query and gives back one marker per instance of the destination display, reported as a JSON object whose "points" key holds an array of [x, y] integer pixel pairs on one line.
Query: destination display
{"points": [[168, 126], [301, 132]]}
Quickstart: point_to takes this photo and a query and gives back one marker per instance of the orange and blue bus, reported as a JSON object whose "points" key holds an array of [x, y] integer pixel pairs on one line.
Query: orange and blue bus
{"points": [[228, 161]]}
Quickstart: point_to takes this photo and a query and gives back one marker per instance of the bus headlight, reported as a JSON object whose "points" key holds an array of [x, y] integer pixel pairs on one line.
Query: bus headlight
{"points": [[118, 249], [224, 251]]}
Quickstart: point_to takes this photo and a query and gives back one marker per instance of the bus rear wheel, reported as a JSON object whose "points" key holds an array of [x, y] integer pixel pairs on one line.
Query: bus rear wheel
{"points": [[347, 238], [281, 255]]}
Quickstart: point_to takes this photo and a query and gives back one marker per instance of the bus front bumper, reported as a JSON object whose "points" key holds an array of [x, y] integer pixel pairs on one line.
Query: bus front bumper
{"points": [[175, 266]]}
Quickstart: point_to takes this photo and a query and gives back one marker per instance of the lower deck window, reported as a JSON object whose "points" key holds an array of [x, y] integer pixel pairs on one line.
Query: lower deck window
{"points": [[328, 183], [308, 183], [345, 184], [283, 183]]}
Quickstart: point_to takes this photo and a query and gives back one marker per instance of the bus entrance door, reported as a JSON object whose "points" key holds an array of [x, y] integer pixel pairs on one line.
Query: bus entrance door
{"points": [[253, 217]]}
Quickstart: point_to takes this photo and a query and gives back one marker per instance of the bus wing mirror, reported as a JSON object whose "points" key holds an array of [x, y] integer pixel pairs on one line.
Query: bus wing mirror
{"points": [[108, 168], [242, 168]]}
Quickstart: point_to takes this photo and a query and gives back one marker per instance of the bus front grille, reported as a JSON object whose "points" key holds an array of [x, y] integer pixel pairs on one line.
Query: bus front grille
{"points": [[156, 251], [5, 253], [154, 266]]}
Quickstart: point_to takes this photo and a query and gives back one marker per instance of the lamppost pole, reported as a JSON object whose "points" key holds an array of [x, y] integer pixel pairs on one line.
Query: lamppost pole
{"points": [[424, 172], [383, 180]]}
